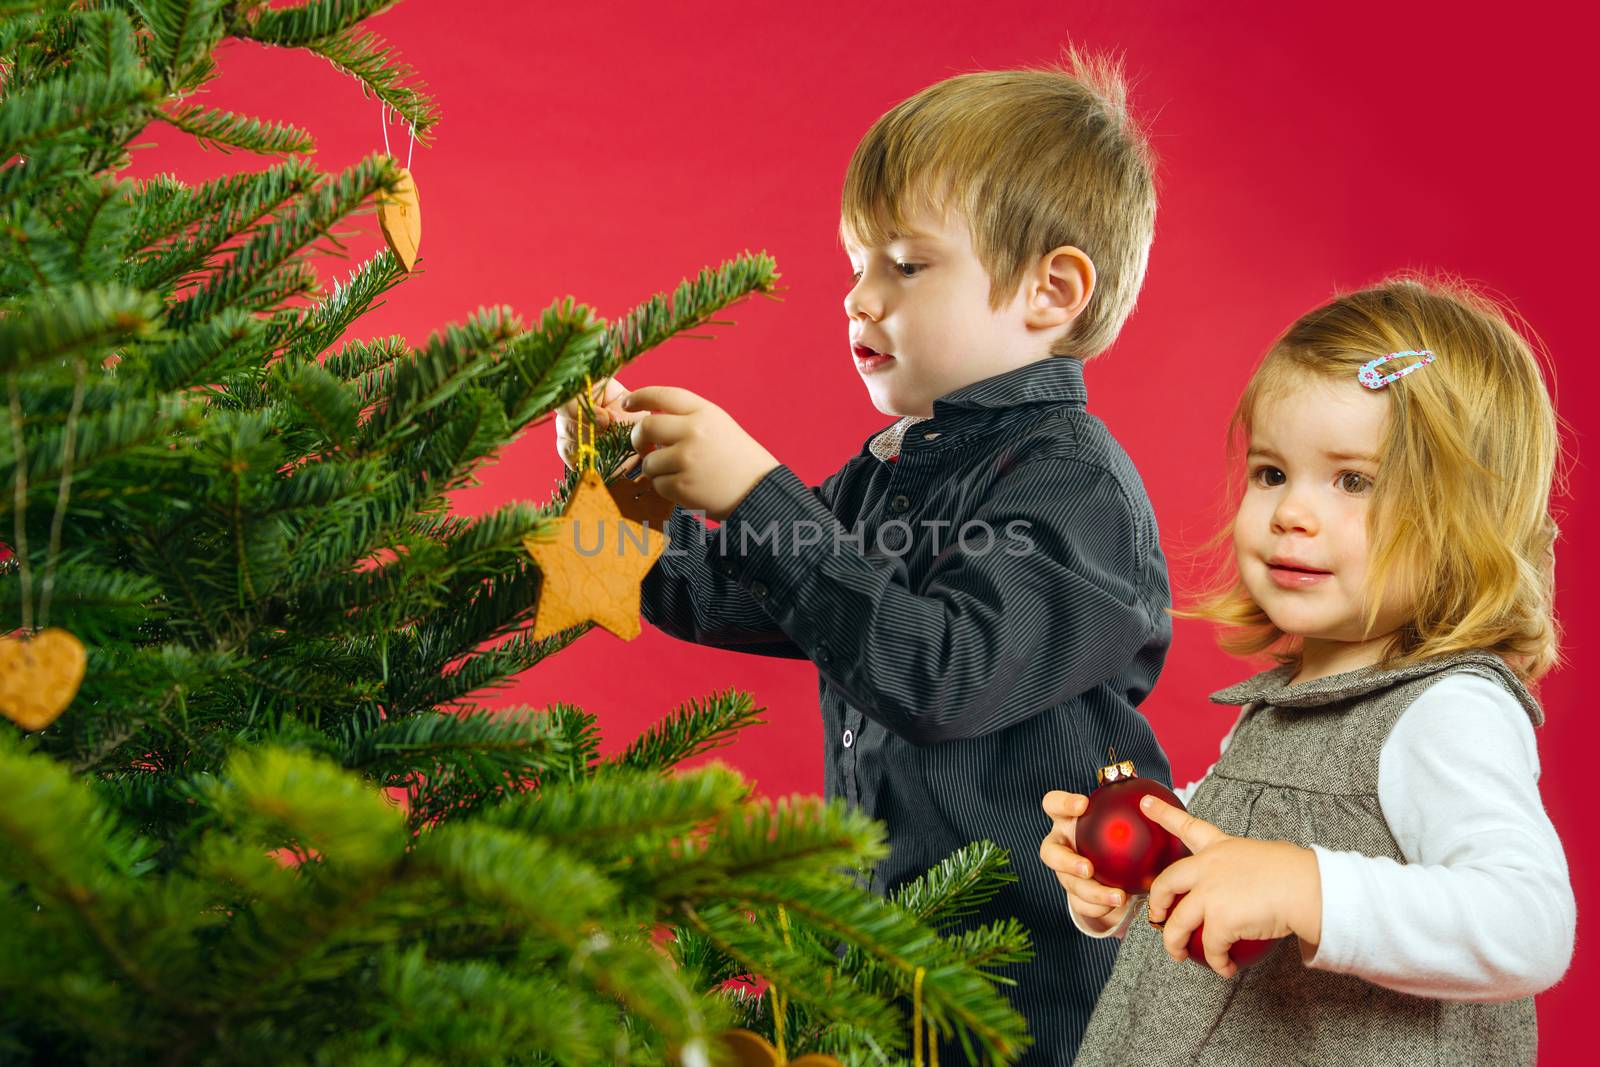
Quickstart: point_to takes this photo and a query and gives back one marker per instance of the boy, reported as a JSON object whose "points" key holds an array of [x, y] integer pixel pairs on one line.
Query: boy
{"points": [[981, 587]]}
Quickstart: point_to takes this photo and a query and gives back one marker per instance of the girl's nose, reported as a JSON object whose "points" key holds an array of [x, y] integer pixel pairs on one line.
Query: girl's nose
{"points": [[1292, 515]]}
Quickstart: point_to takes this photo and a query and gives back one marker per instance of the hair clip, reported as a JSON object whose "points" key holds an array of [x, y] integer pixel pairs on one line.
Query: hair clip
{"points": [[1368, 374]]}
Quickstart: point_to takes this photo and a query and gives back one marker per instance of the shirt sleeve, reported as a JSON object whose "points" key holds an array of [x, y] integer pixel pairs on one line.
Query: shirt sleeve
{"points": [[996, 635], [686, 594], [1483, 907]]}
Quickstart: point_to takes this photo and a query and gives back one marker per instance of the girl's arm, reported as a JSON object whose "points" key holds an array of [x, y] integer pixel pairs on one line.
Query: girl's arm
{"points": [[1483, 908]]}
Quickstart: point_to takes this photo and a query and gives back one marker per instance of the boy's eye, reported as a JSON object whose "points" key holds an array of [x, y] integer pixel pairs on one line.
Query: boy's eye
{"points": [[909, 270], [1267, 476], [1354, 482]]}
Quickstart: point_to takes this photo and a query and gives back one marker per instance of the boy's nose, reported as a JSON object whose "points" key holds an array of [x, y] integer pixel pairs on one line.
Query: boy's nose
{"points": [[860, 303]]}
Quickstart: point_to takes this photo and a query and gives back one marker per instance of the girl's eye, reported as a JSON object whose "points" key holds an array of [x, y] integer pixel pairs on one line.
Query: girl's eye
{"points": [[909, 270], [1355, 483], [855, 277], [1267, 477]]}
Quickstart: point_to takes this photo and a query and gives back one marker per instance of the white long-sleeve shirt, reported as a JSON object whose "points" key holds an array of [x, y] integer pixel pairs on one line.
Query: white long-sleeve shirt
{"points": [[1482, 908]]}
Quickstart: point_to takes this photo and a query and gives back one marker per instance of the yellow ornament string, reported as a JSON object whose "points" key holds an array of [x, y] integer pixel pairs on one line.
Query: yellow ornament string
{"points": [[780, 1003], [916, 1025], [586, 453]]}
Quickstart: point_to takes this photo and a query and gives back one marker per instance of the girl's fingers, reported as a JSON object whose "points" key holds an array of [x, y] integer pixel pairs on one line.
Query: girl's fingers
{"points": [[1217, 941], [1178, 926], [1063, 805], [1170, 884]]}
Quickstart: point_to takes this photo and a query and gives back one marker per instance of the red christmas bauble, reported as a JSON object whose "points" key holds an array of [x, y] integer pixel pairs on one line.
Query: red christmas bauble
{"points": [[1127, 849], [1243, 953]]}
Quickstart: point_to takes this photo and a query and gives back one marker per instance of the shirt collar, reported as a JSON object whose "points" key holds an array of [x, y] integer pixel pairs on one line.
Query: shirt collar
{"points": [[1272, 686], [1052, 380]]}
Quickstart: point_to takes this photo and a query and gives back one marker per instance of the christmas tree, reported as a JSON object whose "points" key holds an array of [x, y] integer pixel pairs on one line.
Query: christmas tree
{"points": [[250, 810]]}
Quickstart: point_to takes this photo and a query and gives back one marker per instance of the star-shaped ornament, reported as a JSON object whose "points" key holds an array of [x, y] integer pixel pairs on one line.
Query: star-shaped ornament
{"points": [[593, 565]]}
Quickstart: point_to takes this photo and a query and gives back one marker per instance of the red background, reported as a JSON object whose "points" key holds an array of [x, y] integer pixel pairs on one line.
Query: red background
{"points": [[606, 150]]}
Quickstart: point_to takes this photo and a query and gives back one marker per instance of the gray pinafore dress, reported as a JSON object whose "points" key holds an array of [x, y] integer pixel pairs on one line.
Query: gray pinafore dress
{"points": [[1302, 766]]}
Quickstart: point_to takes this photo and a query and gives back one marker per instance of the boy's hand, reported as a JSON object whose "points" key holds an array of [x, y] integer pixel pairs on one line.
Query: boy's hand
{"points": [[1239, 887], [1101, 907], [607, 399], [695, 455]]}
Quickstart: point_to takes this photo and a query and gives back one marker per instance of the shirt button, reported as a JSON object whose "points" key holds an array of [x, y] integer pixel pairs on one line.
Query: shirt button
{"points": [[849, 738], [758, 590], [820, 657], [899, 503], [932, 435]]}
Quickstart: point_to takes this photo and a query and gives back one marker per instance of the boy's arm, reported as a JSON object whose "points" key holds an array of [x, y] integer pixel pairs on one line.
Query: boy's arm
{"points": [[688, 596], [997, 636]]}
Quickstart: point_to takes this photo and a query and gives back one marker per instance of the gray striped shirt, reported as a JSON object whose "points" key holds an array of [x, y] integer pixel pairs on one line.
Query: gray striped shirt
{"points": [[985, 609]]}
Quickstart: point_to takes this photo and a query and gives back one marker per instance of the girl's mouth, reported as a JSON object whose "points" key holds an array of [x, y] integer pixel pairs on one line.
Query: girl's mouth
{"points": [[1291, 576], [868, 359]]}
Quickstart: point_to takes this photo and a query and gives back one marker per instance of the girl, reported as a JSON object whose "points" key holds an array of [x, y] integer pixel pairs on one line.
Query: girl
{"points": [[1377, 796]]}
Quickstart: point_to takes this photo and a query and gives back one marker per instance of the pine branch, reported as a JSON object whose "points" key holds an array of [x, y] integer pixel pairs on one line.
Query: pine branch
{"points": [[230, 343], [608, 815], [485, 748], [223, 209], [182, 35], [693, 729], [445, 365], [800, 977], [317, 328], [224, 130], [76, 319], [367, 58], [309, 22], [959, 885], [311, 216], [66, 105], [693, 304], [800, 838], [953, 994]]}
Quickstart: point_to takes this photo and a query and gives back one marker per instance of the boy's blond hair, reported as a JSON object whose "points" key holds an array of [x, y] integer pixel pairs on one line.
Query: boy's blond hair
{"points": [[1033, 159], [1461, 507]]}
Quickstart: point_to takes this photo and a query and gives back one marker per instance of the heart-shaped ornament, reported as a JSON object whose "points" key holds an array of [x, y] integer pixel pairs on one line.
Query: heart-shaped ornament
{"points": [[400, 219], [39, 676], [750, 1049]]}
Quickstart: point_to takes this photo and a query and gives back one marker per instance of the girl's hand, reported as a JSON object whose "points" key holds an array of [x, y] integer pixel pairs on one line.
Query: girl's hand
{"points": [[1100, 906], [608, 410], [1239, 887]]}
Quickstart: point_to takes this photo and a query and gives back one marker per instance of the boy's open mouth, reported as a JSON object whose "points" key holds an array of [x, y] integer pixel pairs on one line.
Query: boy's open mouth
{"points": [[869, 358]]}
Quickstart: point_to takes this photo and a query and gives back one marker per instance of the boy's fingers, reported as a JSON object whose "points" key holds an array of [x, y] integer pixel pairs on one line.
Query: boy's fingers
{"points": [[1193, 832], [659, 430], [667, 398]]}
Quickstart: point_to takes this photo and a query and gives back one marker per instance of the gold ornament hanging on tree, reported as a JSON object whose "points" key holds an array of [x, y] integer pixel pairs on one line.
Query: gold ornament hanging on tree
{"points": [[40, 672], [593, 565], [39, 676], [399, 212]]}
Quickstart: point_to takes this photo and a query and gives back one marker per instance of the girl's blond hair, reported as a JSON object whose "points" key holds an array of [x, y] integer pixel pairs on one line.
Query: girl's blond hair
{"points": [[1461, 508]]}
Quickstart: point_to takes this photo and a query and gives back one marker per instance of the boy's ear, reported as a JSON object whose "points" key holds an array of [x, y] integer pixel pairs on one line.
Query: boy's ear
{"points": [[1058, 287]]}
